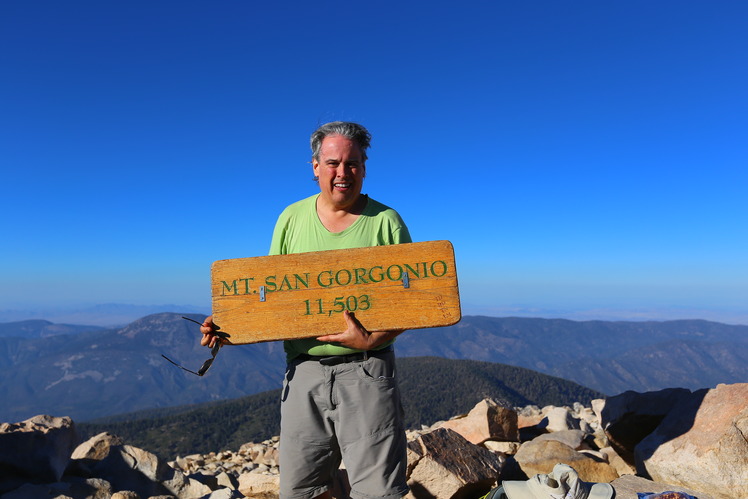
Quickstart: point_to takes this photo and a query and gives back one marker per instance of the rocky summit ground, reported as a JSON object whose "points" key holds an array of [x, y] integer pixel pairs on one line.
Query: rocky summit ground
{"points": [[672, 440]]}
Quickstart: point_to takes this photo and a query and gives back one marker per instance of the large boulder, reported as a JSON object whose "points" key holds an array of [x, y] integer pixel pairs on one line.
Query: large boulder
{"points": [[540, 456], [573, 438], [97, 447], [486, 421], [129, 468], [629, 417], [91, 488], [446, 465], [259, 485], [629, 487], [702, 443], [36, 450], [90, 452], [559, 419], [617, 462], [529, 416]]}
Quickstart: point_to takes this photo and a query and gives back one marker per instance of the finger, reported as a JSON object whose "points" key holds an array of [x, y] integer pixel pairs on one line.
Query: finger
{"points": [[331, 337], [352, 320], [208, 326], [208, 340]]}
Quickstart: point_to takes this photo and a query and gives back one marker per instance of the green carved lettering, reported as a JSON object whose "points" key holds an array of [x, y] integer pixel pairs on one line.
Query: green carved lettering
{"points": [[285, 284], [360, 276], [303, 280], [246, 284], [443, 265], [413, 272], [399, 275], [328, 280], [270, 284], [226, 287], [348, 277], [379, 276]]}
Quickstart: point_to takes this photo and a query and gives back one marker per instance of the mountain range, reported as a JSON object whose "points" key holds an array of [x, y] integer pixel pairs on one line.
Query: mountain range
{"points": [[432, 389], [88, 373], [610, 357], [38, 328], [106, 315]]}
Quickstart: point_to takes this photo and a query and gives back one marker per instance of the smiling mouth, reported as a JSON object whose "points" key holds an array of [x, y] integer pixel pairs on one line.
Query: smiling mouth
{"points": [[342, 185]]}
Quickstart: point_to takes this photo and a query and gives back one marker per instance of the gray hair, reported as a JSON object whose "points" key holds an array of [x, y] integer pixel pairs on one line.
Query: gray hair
{"points": [[351, 131]]}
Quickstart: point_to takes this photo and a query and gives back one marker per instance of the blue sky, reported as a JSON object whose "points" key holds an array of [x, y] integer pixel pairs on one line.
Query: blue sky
{"points": [[586, 159]]}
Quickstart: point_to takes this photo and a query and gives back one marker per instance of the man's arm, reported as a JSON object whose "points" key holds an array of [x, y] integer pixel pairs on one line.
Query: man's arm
{"points": [[357, 337]]}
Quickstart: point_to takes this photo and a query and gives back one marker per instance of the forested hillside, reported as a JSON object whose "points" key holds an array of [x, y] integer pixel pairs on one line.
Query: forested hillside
{"points": [[432, 389]]}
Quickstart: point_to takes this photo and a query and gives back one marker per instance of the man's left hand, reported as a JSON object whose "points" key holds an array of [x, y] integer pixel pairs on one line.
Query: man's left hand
{"points": [[357, 337]]}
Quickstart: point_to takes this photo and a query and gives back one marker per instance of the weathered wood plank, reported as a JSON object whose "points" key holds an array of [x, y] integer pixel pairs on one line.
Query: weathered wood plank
{"points": [[305, 293]]}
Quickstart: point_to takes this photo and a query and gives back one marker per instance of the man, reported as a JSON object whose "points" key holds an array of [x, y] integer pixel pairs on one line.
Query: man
{"points": [[340, 398]]}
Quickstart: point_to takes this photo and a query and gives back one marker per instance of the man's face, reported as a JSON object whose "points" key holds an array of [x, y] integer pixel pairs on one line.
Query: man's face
{"points": [[340, 169]]}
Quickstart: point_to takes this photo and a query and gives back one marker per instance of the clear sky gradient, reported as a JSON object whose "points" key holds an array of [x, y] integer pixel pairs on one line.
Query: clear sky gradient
{"points": [[585, 158]]}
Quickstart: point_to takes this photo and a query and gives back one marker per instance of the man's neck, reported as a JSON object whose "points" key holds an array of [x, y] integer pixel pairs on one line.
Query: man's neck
{"points": [[337, 219]]}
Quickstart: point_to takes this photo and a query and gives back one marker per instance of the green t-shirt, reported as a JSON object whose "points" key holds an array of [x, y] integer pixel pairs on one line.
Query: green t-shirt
{"points": [[299, 230]]}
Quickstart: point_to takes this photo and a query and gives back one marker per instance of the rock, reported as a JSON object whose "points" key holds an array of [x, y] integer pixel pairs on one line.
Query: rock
{"points": [[594, 454], [259, 486], [130, 468], [702, 443], [224, 493], [486, 421], [451, 467], [702, 430], [36, 450], [89, 452], [540, 456], [125, 494], [502, 447], [529, 416], [559, 419], [597, 406], [629, 417], [92, 488], [270, 457], [412, 456], [627, 486], [39, 491], [207, 479], [97, 447], [617, 462], [225, 480], [572, 438], [585, 414], [599, 439], [103, 489]]}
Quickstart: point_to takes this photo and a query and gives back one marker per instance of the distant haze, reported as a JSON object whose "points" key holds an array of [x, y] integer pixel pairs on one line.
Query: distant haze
{"points": [[110, 315]]}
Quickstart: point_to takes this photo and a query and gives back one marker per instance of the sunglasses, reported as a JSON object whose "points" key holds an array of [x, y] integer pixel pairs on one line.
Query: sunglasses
{"points": [[213, 351]]}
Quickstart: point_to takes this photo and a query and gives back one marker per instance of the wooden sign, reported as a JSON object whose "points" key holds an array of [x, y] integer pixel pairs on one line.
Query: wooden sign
{"points": [[302, 295]]}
